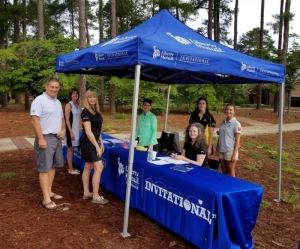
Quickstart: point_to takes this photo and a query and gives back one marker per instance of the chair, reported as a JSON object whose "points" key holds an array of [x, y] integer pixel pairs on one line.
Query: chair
{"points": [[176, 140], [166, 142], [214, 164]]}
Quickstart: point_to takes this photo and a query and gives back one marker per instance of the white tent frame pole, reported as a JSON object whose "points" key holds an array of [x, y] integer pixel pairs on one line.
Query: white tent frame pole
{"points": [[280, 122], [131, 148], [167, 108]]}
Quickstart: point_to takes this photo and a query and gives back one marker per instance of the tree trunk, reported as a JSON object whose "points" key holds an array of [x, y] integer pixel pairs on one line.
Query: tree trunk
{"points": [[276, 94], [112, 99], [233, 95], [3, 44], [27, 99], [72, 20], [40, 11], [18, 99], [24, 23], [286, 31], [16, 26], [236, 12], [113, 25], [82, 44], [4, 99], [101, 38], [210, 19], [261, 38], [217, 20], [102, 95], [289, 103], [87, 30]]}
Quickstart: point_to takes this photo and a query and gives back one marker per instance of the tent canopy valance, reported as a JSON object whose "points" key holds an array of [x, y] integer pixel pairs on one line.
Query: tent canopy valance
{"points": [[169, 52]]}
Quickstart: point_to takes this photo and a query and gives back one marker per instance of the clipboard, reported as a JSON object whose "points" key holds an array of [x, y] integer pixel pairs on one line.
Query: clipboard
{"points": [[182, 168]]}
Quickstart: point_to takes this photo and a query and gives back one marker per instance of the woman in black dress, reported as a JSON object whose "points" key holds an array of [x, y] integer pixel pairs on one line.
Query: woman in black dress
{"points": [[92, 147]]}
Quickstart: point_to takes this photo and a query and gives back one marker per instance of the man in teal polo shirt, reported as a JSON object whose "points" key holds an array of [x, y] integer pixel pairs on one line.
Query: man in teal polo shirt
{"points": [[147, 127]]}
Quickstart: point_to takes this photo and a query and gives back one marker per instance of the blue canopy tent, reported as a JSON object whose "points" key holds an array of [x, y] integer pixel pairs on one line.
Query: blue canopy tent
{"points": [[165, 50]]}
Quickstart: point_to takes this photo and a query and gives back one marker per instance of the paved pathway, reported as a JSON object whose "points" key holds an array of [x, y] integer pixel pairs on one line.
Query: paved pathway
{"points": [[256, 128]]}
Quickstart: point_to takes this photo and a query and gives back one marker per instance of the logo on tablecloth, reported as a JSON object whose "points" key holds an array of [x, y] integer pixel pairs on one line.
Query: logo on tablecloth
{"points": [[123, 169], [77, 152], [191, 204]]}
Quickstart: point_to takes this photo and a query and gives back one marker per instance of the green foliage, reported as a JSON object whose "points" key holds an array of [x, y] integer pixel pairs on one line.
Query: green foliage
{"points": [[257, 155], [32, 63], [254, 166], [187, 96], [289, 198], [8, 175], [249, 43], [265, 204], [274, 155], [250, 145], [120, 116], [250, 167], [296, 207], [288, 169], [106, 129], [294, 187]]}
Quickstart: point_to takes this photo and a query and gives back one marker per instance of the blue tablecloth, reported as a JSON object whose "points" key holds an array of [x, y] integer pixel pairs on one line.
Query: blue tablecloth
{"points": [[208, 208]]}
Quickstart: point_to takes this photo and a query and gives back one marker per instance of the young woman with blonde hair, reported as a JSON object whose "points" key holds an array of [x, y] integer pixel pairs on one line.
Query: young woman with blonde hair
{"points": [[92, 146]]}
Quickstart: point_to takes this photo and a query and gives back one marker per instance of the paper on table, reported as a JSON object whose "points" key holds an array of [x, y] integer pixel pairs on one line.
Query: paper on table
{"points": [[114, 140], [171, 160], [159, 162]]}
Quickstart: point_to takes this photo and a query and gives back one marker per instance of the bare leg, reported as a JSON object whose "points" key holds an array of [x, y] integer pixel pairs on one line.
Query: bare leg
{"points": [[231, 168], [51, 178], [86, 178], [98, 168], [223, 166], [70, 158], [44, 183]]}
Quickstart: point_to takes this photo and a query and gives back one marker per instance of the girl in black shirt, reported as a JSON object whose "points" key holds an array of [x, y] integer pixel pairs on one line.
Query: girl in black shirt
{"points": [[195, 147]]}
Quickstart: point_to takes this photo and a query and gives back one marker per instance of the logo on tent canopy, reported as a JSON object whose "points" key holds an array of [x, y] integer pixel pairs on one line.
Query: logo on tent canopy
{"points": [[180, 39], [165, 55], [118, 40], [99, 56], [248, 68]]}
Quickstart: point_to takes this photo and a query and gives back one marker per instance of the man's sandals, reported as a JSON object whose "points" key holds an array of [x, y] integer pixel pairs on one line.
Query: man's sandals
{"points": [[51, 205], [56, 197]]}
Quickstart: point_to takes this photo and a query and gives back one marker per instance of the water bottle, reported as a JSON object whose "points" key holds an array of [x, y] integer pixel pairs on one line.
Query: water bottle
{"points": [[150, 152]]}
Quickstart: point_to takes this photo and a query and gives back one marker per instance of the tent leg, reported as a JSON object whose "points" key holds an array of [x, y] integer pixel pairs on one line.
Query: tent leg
{"points": [[131, 149], [167, 108], [56, 75], [280, 121]]}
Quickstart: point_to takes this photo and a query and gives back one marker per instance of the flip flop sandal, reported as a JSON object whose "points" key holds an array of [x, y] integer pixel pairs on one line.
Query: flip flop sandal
{"points": [[56, 197], [75, 172], [50, 205], [64, 205]]}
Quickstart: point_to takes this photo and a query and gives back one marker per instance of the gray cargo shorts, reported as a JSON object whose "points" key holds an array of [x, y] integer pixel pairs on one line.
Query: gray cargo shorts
{"points": [[51, 157]]}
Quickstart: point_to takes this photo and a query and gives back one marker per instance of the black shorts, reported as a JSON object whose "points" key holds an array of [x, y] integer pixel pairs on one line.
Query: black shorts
{"points": [[88, 150], [69, 140]]}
